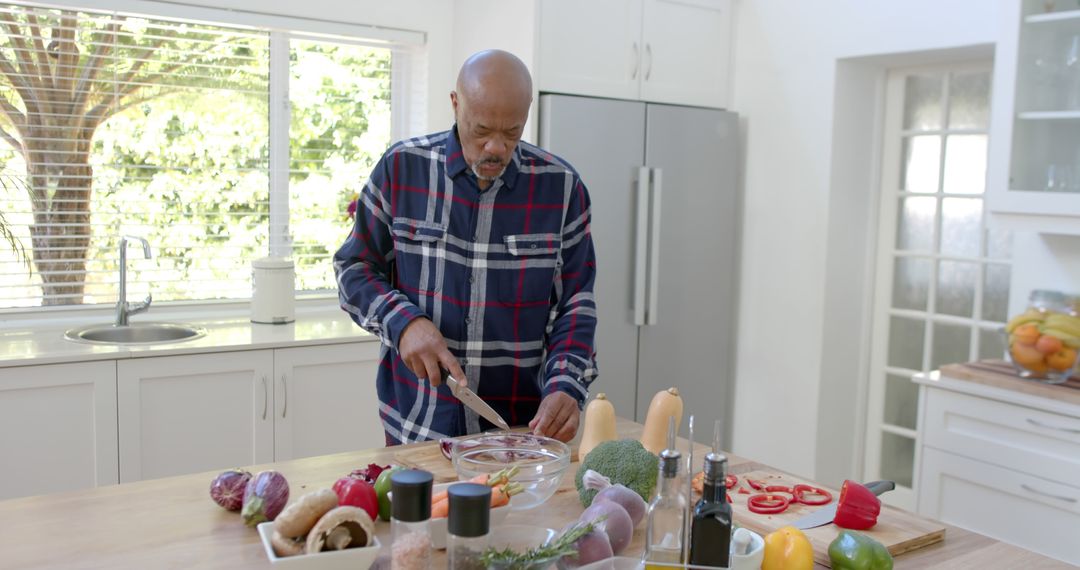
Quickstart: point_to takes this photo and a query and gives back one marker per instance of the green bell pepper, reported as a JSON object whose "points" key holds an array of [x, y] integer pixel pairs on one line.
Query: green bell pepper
{"points": [[382, 488], [854, 551]]}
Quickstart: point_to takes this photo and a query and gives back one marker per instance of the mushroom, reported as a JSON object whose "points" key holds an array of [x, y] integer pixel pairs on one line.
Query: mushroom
{"points": [[296, 520], [286, 546], [341, 528]]}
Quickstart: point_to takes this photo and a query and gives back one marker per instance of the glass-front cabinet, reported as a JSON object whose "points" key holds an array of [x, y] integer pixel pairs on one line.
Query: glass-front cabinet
{"points": [[1034, 170]]}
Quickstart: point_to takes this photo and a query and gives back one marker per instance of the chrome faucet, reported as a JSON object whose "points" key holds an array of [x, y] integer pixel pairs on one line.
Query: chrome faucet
{"points": [[123, 308]]}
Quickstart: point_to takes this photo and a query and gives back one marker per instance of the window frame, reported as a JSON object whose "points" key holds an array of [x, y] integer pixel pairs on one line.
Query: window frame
{"points": [[408, 114]]}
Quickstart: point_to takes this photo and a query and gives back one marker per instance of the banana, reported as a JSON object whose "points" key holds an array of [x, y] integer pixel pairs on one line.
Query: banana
{"points": [[1064, 323], [1028, 316], [1069, 340]]}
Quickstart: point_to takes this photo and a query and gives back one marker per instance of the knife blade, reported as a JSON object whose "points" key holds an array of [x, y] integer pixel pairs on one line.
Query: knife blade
{"points": [[825, 515], [473, 401]]}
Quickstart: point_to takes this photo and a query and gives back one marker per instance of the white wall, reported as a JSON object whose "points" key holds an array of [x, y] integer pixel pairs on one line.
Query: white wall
{"points": [[785, 63]]}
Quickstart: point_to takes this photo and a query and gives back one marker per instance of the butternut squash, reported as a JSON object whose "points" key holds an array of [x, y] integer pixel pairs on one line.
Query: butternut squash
{"points": [[599, 424], [665, 404]]}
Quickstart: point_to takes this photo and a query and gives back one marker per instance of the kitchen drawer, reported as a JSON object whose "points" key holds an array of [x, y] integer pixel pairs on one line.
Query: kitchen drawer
{"points": [[1009, 435], [1010, 506]]}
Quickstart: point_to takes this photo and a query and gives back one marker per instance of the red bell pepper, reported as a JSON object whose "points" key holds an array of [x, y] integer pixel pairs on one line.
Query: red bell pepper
{"points": [[858, 507], [730, 481], [800, 493], [355, 492]]}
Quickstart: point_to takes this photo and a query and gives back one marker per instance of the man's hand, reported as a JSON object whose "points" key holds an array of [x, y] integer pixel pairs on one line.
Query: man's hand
{"points": [[557, 417], [423, 349]]}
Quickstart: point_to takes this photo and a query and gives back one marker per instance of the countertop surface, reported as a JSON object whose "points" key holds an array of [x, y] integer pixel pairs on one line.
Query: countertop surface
{"points": [[172, 523], [997, 379], [313, 326]]}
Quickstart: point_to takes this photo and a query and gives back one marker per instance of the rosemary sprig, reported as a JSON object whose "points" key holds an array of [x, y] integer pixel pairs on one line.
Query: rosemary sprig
{"points": [[510, 560]]}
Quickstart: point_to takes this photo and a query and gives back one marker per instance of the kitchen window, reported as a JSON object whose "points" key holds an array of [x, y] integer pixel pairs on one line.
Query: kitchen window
{"points": [[218, 143], [942, 273]]}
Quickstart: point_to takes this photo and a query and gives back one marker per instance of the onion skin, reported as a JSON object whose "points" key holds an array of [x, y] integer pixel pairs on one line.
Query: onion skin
{"points": [[227, 489], [264, 497]]}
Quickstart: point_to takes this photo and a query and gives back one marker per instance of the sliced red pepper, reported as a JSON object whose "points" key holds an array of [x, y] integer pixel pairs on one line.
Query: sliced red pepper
{"points": [[728, 495], [778, 489], [858, 507], [743, 491], [757, 485], [767, 504], [730, 481], [800, 492]]}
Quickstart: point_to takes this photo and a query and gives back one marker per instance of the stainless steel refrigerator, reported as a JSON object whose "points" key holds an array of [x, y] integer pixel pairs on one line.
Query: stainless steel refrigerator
{"points": [[662, 180]]}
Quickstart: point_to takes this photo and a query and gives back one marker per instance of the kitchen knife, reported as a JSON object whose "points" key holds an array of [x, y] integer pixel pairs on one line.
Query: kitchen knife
{"points": [[825, 515], [470, 399]]}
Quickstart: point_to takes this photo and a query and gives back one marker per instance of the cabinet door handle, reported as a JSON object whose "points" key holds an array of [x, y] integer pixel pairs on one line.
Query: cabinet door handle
{"points": [[1031, 489], [648, 61], [285, 391], [1037, 423], [266, 396], [636, 60]]}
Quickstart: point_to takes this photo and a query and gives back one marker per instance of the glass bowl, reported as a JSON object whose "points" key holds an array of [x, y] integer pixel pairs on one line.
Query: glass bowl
{"points": [[542, 462], [1040, 356], [522, 538]]}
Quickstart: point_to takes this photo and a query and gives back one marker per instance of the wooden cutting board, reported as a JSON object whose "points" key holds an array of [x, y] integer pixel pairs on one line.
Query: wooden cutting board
{"points": [[898, 530]]}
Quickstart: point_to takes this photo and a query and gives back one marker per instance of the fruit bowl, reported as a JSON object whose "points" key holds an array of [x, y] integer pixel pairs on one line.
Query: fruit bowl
{"points": [[542, 463], [1040, 353]]}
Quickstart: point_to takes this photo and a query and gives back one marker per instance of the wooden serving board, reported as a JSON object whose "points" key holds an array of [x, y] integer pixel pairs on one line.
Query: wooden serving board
{"points": [[898, 530]]}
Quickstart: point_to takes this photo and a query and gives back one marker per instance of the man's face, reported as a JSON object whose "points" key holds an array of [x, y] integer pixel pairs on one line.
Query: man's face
{"points": [[489, 131]]}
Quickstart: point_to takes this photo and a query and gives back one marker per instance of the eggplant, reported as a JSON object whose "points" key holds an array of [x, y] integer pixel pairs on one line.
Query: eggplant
{"points": [[264, 497], [227, 489]]}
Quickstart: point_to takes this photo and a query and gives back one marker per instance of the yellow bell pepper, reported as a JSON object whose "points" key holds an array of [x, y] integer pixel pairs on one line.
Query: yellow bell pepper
{"points": [[788, 549]]}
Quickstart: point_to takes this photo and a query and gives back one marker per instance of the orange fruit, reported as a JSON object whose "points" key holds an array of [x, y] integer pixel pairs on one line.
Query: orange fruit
{"points": [[1027, 333], [1048, 344], [1062, 360], [1028, 356]]}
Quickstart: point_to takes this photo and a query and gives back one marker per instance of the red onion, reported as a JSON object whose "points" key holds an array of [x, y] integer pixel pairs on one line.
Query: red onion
{"points": [[227, 489], [264, 497]]}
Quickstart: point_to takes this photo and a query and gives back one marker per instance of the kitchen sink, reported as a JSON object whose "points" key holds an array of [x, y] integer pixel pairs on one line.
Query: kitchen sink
{"points": [[135, 333]]}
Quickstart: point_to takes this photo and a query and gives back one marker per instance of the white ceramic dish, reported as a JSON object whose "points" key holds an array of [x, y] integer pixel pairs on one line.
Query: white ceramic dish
{"points": [[348, 559], [749, 561], [438, 526]]}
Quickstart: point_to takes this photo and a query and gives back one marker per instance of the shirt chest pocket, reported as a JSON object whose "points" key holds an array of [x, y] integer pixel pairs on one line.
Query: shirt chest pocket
{"points": [[417, 244], [528, 275]]}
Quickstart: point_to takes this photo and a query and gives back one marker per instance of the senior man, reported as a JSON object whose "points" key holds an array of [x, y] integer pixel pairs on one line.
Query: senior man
{"points": [[471, 253]]}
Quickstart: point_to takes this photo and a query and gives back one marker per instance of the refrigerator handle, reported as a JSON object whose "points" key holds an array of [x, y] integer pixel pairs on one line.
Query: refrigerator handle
{"points": [[654, 248], [641, 234]]}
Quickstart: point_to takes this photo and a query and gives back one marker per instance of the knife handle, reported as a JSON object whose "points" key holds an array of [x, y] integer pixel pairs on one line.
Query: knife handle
{"points": [[879, 487]]}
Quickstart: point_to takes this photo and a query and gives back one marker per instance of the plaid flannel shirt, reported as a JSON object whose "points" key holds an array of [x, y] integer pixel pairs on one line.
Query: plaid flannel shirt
{"points": [[506, 274]]}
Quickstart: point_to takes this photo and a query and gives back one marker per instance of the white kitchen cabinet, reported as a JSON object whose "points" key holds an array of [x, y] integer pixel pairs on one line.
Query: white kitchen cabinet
{"points": [[191, 413], [202, 412], [1000, 462], [665, 51], [58, 426], [1011, 506], [325, 401], [1034, 167]]}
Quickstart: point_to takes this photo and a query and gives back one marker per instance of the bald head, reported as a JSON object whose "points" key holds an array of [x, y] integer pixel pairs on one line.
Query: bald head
{"points": [[495, 74], [491, 104]]}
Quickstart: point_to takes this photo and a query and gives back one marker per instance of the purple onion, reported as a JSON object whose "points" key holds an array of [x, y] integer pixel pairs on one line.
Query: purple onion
{"points": [[227, 489], [264, 497]]}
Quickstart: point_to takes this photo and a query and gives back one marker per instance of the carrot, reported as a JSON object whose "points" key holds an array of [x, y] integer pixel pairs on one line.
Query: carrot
{"points": [[443, 495], [441, 509], [500, 496]]}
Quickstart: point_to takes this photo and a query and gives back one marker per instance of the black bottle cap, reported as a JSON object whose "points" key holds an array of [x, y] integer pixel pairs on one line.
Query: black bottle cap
{"points": [[412, 495], [470, 510]]}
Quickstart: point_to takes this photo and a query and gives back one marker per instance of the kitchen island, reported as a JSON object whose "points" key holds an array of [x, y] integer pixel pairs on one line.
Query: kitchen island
{"points": [[173, 523]]}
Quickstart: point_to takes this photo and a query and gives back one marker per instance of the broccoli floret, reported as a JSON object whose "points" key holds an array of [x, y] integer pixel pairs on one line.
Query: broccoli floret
{"points": [[623, 461]]}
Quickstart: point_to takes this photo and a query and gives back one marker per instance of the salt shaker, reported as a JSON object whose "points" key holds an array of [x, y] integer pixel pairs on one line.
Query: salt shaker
{"points": [[409, 521], [469, 525]]}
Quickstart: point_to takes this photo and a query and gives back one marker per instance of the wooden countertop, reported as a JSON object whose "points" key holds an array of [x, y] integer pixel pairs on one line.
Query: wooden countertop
{"points": [[172, 523], [1000, 374]]}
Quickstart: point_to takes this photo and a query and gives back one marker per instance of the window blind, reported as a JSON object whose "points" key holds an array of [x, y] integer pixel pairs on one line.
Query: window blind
{"points": [[118, 125]]}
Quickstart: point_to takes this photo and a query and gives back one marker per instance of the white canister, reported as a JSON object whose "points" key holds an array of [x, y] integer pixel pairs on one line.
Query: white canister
{"points": [[273, 298]]}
